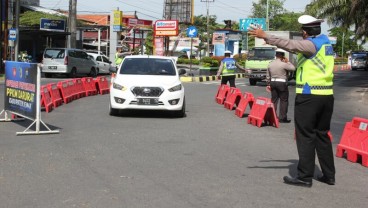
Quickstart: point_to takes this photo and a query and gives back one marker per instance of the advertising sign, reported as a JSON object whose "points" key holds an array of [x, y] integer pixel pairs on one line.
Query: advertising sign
{"points": [[218, 38], [159, 46], [20, 88], [12, 34], [192, 32], [166, 28], [52, 25], [333, 40], [117, 21], [258, 22]]}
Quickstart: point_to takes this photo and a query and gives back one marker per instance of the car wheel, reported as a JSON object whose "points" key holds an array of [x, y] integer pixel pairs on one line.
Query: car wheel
{"points": [[252, 82], [180, 113], [48, 75], [73, 73], [113, 111], [93, 72]]}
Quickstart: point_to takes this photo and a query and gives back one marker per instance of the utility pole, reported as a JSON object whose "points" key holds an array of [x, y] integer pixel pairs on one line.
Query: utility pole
{"points": [[267, 18], [72, 22], [16, 48], [208, 22]]}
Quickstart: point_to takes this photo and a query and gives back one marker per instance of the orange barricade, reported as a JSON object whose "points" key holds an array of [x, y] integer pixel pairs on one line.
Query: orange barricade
{"points": [[55, 94], [222, 93], [102, 85], [234, 96], [78, 85], [89, 86], [65, 91], [354, 141], [46, 100], [263, 110], [246, 99], [73, 90]]}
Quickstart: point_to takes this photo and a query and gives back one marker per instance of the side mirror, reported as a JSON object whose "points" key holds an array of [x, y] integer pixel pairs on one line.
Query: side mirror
{"points": [[182, 71]]}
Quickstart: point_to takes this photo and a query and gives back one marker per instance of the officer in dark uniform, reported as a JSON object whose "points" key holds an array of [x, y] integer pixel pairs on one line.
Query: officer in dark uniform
{"points": [[314, 99], [277, 83]]}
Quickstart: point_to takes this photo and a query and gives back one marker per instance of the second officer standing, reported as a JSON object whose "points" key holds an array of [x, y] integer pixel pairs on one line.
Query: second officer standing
{"points": [[277, 77]]}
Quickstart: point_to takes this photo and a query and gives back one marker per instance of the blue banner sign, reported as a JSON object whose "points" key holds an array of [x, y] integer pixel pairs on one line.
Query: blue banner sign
{"points": [[20, 88], [52, 25], [244, 24]]}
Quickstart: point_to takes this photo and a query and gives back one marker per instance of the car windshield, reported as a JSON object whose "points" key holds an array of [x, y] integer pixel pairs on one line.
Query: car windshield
{"points": [[147, 66], [54, 53], [261, 54], [357, 56]]}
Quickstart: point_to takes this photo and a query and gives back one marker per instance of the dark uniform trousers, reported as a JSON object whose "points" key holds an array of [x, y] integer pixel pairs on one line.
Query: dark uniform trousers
{"points": [[280, 91], [312, 122], [230, 78]]}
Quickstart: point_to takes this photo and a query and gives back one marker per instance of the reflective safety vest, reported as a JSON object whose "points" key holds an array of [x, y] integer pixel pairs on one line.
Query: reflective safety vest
{"points": [[228, 66], [314, 75], [118, 60]]}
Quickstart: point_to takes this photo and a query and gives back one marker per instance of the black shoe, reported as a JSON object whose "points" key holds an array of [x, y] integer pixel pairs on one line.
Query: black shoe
{"points": [[323, 179], [284, 120], [297, 182]]}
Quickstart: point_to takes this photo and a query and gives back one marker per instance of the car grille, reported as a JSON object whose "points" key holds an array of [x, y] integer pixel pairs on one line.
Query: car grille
{"points": [[147, 91]]}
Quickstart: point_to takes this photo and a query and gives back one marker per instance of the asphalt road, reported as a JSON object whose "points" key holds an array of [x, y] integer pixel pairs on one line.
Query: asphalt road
{"points": [[211, 158]]}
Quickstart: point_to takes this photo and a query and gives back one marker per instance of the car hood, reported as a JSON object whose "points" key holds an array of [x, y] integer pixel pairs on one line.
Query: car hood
{"points": [[147, 80]]}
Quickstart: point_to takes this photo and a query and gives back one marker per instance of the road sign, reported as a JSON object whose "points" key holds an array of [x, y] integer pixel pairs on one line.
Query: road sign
{"points": [[13, 34], [192, 32], [258, 22]]}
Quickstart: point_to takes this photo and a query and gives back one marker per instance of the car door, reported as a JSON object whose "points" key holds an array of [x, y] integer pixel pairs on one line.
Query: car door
{"points": [[100, 63], [107, 64]]}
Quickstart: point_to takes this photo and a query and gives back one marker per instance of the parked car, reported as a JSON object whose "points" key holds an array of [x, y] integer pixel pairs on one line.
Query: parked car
{"points": [[103, 63], [147, 83], [359, 60], [68, 61]]}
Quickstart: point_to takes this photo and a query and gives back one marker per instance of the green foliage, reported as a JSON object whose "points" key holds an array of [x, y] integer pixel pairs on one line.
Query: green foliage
{"points": [[187, 61], [275, 7], [340, 60], [240, 57], [31, 18], [343, 35], [149, 43], [287, 21], [209, 62]]}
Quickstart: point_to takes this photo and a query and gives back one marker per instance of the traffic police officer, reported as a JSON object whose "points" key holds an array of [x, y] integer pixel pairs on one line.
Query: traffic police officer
{"points": [[119, 56], [227, 69], [277, 77], [314, 99]]}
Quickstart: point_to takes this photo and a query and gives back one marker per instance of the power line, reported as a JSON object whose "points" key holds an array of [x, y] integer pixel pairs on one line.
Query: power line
{"points": [[137, 7]]}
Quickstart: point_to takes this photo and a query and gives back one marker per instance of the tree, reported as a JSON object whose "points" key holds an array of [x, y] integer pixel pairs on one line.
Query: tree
{"points": [[287, 21], [32, 18], [343, 35], [149, 43], [344, 13], [275, 7]]}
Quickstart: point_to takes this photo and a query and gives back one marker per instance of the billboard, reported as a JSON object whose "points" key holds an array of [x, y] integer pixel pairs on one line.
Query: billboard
{"points": [[166, 28], [52, 25], [181, 10], [258, 22], [20, 88], [117, 20]]}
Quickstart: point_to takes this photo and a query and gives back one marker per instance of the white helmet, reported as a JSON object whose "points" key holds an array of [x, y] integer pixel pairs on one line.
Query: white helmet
{"points": [[307, 19], [227, 52]]}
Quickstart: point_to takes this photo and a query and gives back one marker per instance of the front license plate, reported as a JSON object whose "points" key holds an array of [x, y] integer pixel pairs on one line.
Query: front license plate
{"points": [[52, 67], [147, 101]]}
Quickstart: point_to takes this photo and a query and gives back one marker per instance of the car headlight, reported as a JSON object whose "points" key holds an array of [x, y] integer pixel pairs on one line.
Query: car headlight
{"points": [[176, 88], [117, 86]]}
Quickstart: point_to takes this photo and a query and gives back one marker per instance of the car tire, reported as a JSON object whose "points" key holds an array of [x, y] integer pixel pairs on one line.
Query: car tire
{"points": [[113, 111], [73, 73], [180, 113], [252, 82], [48, 75], [93, 72]]}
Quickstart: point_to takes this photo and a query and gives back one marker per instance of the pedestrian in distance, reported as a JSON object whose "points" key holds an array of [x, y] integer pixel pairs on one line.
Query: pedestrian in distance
{"points": [[227, 69], [314, 99], [277, 83]]}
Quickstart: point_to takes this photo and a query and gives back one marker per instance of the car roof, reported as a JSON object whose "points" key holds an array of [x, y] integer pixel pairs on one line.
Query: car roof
{"points": [[149, 56]]}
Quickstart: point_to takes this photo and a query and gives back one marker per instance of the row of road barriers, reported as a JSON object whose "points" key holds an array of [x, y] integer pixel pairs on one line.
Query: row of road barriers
{"points": [[354, 140], [54, 94]]}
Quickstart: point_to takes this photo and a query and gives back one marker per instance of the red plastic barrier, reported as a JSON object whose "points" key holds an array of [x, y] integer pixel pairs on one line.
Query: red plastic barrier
{"points": [[246, 99], [55, 94], [263, 110], [102, 85], [78, 85], [89, 86], [354, 141], [46, 100], [65, 91], [74, 91], [222, 93], [234, 97]]}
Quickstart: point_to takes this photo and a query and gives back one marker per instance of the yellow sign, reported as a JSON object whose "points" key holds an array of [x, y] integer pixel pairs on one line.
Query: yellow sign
{"points": [[118, 20]]}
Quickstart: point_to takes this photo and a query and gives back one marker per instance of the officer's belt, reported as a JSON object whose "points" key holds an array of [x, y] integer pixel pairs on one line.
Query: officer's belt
{"points": [[278, 80], [315, 87]]}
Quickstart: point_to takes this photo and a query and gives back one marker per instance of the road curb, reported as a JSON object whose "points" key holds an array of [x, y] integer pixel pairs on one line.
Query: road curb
{"points": [[206, 78]]}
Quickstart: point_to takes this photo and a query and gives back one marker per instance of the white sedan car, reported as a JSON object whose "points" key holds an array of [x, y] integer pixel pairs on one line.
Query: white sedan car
{"points": [[147, 83], [103, 63]]}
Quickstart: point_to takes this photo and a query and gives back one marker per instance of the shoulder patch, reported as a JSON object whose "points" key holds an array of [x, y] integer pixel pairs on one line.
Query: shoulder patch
{"points": [[329, 50]]}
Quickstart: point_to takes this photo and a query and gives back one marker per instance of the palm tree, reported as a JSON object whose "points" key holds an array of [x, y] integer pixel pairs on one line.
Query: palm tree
{"points": [[344, 13]]}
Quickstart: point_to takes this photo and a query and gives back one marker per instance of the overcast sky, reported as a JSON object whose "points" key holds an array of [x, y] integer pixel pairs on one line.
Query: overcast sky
{"points": [[153, 9]]}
